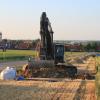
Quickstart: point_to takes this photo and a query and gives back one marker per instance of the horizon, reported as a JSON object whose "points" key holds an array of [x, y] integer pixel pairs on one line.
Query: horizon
{"points": [[53, 40], [21, 19]]}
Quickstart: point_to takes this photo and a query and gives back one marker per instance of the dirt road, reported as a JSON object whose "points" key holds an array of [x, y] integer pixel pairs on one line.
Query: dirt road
{"points": [[12, 63]]}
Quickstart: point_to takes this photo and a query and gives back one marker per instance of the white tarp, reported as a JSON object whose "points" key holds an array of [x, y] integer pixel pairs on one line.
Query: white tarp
{"points": [[8, 73]]}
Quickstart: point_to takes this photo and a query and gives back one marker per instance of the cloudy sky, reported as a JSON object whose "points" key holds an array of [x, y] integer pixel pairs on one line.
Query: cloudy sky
{"points": [[70, 19]]}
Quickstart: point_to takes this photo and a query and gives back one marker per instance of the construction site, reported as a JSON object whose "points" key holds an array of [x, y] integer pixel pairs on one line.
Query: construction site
{"points": [[52, 74], [50, 84]]}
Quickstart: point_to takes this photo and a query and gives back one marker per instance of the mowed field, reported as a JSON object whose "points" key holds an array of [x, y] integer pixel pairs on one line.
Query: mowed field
{"points": [[13, 55], [17, 53], [9, 53]]}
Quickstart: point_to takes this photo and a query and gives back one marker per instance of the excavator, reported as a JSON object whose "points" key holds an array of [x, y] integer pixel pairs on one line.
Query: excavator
{"points": [[51, 55], [49, 50]]}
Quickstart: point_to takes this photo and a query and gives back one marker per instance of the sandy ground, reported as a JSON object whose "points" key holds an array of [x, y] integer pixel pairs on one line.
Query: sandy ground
{"points": [[90, 91]]}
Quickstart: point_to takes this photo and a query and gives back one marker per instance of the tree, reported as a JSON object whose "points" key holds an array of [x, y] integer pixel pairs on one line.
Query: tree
{"points": [[94, 46], [88, 47], [81, 47]]}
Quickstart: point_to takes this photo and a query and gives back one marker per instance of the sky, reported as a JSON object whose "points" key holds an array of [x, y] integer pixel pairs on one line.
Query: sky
{"points": [[70, 19]]}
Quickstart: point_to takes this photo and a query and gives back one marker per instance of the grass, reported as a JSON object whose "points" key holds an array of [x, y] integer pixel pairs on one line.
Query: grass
{"points": [[16, 55], [12, 55], [74, 53]]}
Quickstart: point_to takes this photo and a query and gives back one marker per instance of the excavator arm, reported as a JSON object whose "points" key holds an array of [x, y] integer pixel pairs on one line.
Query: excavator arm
{"points": [[46, 51], [49, 50]]}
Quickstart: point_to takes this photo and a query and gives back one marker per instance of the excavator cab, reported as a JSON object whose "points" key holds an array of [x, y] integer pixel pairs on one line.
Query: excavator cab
{"points": [[58, 53]]}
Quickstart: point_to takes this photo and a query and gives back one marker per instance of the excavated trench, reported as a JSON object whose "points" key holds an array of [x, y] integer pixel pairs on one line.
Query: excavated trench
{"points": [[47, 69]]}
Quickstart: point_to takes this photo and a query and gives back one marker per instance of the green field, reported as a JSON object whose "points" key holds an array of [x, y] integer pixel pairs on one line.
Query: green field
{"points": [[10, 55]]}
